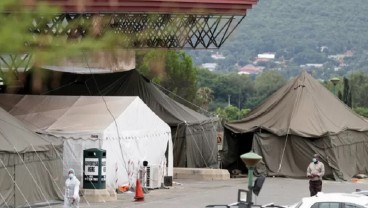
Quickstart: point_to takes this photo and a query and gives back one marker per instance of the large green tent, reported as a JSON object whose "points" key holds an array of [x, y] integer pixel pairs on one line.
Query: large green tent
{"points": [[300, 119]]}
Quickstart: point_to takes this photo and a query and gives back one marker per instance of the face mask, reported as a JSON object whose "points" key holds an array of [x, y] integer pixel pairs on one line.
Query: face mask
{"points": [[71, 175], [314, 160]]}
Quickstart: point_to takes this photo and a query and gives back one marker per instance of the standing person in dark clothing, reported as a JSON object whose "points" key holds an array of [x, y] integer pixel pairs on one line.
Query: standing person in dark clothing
{"points": [[315, 171]]}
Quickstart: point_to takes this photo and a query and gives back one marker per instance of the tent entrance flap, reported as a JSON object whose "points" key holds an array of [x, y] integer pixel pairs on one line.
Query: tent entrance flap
{"points": [[234, 146]]}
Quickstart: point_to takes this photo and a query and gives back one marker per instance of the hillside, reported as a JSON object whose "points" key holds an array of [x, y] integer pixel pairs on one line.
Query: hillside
{"points": [[299, 32]]}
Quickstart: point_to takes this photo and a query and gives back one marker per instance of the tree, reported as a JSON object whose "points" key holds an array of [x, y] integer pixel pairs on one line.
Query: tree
{"points": [[238, 87], [231, 113], [265, 84], [359, 89], [361, 111], [204, 97], [206, 78], [340, 96], [346, 98], [174, 71], [309, 56]]}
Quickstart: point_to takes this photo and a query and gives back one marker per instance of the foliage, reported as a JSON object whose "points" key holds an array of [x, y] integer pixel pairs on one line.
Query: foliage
{"points": [[173, 70], [346, 98], [300, 32], [339, 95], [204, 97], [268, 82], [233, 88], [243, 91], [359, 89], [361, 111], [231, 113]]}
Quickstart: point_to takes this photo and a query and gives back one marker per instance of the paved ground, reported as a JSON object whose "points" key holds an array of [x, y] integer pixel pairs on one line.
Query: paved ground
{"points": [[197, 194]]}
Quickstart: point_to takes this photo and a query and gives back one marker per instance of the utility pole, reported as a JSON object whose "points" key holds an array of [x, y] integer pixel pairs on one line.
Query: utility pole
{"points": [[228, 100], [239, 104]]}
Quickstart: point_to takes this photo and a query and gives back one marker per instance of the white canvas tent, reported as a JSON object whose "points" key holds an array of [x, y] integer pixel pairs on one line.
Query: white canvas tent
{"points": [[124, 126], [30, 166]]}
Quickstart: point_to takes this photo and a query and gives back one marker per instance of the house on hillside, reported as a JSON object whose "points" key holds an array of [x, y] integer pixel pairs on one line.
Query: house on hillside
{"points": [[218, 56], [264, 57], [209, 66], [268, 56], [318, 66], [340, 57], [250, 69]]}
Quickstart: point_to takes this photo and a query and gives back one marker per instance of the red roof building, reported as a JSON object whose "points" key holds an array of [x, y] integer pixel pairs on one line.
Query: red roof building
{"points": [[249, 69]]}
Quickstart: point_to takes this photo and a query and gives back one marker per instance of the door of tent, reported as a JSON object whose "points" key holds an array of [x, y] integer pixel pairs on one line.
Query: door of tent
{"points": [[234, 146]]}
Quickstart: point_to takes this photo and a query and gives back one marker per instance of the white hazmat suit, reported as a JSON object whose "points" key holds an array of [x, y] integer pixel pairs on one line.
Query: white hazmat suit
{"points": [[71, 197]]}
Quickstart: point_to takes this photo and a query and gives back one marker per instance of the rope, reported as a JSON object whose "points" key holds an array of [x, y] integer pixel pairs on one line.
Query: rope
{"points": [[108, 109], [191, 132], [199, 150], [6, 204], [67, 84], [183, 99], [26, 168], [288, 129]]}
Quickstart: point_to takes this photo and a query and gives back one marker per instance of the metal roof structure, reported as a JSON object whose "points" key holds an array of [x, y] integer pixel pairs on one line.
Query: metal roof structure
{"points": [[137, 24], [195, 24], [204, 7]]}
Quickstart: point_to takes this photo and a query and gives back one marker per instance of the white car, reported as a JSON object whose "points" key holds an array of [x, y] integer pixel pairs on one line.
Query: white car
{"points": [[333, 200], [363, 192]]}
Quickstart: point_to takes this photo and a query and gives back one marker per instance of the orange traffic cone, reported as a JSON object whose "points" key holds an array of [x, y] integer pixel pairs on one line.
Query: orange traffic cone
{"points": [[138, 192]]}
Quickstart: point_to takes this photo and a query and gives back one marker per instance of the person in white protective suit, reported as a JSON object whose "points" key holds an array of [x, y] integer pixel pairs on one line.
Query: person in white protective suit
{"points": [[71, 198]]}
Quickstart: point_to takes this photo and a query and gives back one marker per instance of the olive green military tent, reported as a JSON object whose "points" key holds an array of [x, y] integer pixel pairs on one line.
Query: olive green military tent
{"points": [[30, 166], [300, 119]]}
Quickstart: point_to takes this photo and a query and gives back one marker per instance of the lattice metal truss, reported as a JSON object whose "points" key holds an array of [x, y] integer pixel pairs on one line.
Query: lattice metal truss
{"points": [[133, 31], [145, 30], [10, 66]]}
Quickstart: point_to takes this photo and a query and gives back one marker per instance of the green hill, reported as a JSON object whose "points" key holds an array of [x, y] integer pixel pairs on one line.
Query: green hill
{"points": [[297, 30]]}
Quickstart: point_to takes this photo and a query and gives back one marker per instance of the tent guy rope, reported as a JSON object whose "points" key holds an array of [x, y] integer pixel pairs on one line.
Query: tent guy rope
{"points": [[299, 92]]}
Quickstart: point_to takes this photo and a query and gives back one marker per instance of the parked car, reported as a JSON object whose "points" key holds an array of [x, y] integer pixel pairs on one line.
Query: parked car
{"points": [[363, 192], [333, 200], [245, 205]]}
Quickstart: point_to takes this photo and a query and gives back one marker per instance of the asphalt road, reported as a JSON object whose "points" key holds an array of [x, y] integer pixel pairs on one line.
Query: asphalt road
{"points": [[196, 194]]}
